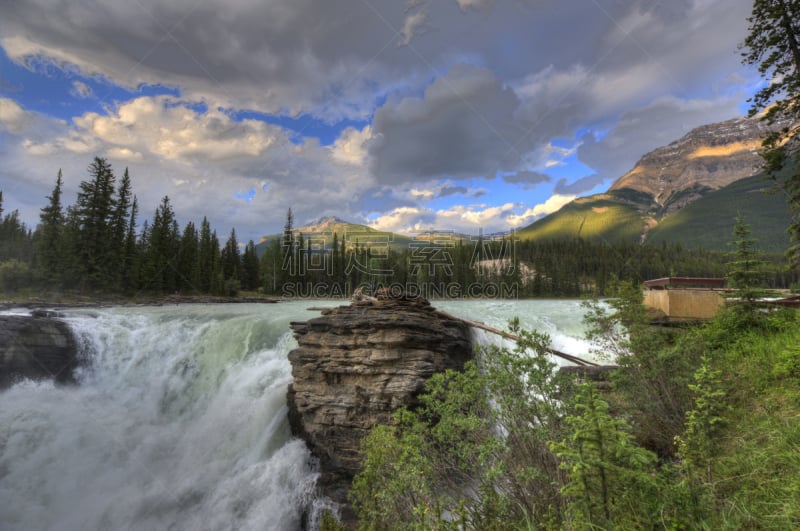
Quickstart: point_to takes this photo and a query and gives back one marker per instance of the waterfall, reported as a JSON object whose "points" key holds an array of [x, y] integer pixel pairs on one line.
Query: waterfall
{"points": [[178, 419]]}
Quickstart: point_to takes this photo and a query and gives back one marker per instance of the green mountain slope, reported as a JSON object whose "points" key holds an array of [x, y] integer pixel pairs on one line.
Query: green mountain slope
{"points": [[598, 217], [708, 222], [321, 232], [622, 215]]}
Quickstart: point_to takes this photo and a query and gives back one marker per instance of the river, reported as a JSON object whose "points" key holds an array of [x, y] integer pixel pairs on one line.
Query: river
{"points": [[178, 420]]}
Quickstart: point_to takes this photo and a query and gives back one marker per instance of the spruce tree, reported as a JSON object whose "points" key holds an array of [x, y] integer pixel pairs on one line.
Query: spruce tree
{"points": [[94, 209], [188, 260], [131, 257], [746, 269], [48, 245], [15, 238], [160, 267], [611, 482], [119, 228], [207, 258], [231, 259], [250, 267]]}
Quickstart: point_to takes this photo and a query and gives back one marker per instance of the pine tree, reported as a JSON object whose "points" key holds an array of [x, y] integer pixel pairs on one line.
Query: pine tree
{"points": [[704, 423], [231, 259], [773, 44], [130, 273], [250, 267], [15, 238], [611, 481], [188, 260], [48, 245], [207, 258], [94, 209], [119, 229], [746, 269], [217, 277], [160, 266]]}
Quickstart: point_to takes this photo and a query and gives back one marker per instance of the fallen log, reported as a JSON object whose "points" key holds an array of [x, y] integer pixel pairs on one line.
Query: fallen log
{"points": [[508, 335]]}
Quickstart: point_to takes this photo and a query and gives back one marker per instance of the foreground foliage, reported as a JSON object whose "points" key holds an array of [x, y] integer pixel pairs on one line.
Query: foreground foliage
{"points": [[700, 430]]}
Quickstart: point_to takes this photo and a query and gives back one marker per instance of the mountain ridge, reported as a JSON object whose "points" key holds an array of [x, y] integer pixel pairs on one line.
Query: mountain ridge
{"points": [[697, 169]]}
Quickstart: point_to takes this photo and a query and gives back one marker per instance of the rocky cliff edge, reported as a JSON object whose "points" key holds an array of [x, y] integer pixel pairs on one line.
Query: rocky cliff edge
{"points": [[356, 365]]}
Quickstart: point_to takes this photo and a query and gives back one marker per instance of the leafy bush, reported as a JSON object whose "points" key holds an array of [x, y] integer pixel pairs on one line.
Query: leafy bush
{"points": [[510, 444], [14, 275]]}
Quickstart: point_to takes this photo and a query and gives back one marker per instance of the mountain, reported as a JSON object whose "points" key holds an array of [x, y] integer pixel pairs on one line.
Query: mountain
{"points": [[687, 192], [709, 222], [707, 158], [321, 232]]}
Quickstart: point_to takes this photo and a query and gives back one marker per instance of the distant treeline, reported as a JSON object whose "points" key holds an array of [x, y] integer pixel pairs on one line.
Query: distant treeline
{"points": [[97, 246]]}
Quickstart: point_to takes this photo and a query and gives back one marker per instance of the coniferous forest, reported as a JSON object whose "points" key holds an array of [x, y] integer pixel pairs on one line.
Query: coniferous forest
{"points": [[105, 244]]}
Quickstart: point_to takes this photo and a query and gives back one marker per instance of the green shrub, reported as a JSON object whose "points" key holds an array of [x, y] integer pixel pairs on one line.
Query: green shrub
{"points": [[14, 275]]}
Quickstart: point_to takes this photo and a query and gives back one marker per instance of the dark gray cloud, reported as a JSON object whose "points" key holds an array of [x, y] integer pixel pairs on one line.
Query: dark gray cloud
{"points": [[581, 186], [462, 126], [528, 178], [340, 58], [379, 199], [452, 190]]}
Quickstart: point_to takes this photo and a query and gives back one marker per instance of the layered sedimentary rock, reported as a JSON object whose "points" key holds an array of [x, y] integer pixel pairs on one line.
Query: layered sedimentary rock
{"points": [[707, 158], [35, 348], [355, 365]]}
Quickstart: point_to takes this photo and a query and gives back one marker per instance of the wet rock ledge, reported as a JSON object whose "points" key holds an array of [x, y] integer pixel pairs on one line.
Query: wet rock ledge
{"points": [[355, 365], [36, 347]]}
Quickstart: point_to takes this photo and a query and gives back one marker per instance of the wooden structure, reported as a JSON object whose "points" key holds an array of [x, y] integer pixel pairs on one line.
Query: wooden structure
{"points": [[685, 298]]}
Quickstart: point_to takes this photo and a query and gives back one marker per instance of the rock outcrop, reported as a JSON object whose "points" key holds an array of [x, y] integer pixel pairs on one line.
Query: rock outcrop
{"points": [[355, 365], [37, 348]]}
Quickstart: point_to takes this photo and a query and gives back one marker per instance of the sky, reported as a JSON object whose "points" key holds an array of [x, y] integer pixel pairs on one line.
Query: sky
{"points": [[406, 115]]}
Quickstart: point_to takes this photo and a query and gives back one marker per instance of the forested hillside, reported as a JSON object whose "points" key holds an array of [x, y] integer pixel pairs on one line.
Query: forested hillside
{"points": [[99, 246]]}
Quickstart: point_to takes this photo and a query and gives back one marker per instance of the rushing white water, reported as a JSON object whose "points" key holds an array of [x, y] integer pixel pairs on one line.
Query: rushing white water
{"points": [[178, 420]]}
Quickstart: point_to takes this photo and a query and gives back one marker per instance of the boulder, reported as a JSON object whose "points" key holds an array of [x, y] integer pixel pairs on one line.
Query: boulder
{"points": [[35, 348]]}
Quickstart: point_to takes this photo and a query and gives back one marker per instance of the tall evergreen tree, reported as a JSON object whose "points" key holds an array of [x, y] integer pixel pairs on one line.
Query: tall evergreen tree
{"points": [[160, 267], [250, 267], [131, 260], [188, 260], [207, 258], [217, 286], [270, 267], [48, 245], [94, 208], [119, 228], [231, 259], [746, 269], [15, 238], [773, 44]]}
